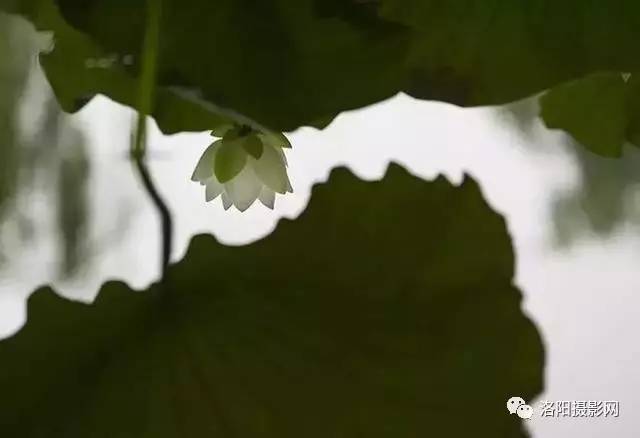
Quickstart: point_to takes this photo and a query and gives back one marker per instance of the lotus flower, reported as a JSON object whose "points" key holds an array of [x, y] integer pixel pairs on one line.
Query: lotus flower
{"points": [[244, 166]]}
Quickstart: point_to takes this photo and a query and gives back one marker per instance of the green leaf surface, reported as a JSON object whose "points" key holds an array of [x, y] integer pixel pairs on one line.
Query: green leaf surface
{"points": [[282, 64], [78, 69], [601, 111], [230, 159], [253, 145], [488, 52], [399, 321], [261, 65]]}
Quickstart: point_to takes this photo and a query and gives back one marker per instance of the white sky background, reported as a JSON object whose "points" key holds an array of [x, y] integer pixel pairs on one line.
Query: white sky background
{"points": [[583, 299]]}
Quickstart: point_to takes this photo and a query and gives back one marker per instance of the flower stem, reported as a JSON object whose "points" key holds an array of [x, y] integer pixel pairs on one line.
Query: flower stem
{"points": [[147, 85]]}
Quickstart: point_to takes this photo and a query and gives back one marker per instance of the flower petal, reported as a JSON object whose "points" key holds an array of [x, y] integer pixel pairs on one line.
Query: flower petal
{"points": [[253, 145], [244, 189], [283, 156], [275, 139], [226, 202], [267, 197], [204, 168], [229, 161], [213, 190], [271, 170], [222, 130]]}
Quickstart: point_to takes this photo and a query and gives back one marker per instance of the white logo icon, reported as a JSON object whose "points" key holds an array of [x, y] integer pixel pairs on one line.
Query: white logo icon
{"points": [[517, 405], [525, 412], [514, 403]]}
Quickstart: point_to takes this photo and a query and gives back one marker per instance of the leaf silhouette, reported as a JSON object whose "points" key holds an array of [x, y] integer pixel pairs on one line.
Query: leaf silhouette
{"points": [[288, 63], [282, 64], [494, 52], [78, 68], [601, 111], [400, 320]]}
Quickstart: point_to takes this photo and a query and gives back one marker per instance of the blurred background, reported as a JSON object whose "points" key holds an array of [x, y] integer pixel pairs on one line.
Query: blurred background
{"points": [[73, 213]]}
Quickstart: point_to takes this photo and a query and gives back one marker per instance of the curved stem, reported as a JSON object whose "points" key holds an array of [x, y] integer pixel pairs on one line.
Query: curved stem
{"points": [[163, 211], [147, 84]]}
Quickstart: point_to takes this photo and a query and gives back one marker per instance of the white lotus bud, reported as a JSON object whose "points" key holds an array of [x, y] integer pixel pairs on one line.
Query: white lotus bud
{"points": [[244, 166]]}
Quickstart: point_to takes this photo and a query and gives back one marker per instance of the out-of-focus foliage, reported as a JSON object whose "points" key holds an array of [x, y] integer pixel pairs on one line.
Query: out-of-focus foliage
{"points": [[602, 111], [40, 150], [386, 323], [60, 153], [73, 199], [15, 64], [288, 63], [605, 196]]}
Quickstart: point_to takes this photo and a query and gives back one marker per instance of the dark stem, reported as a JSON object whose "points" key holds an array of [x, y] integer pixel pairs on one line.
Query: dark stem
{"points": [[147, 86], [166, 219]]}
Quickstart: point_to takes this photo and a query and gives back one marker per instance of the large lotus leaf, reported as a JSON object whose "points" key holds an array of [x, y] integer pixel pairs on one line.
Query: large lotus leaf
{"points": [[280, 64], [288, 63], [479, 52], [601, 111], [291, 62], [398, 319], [78, 69]]}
